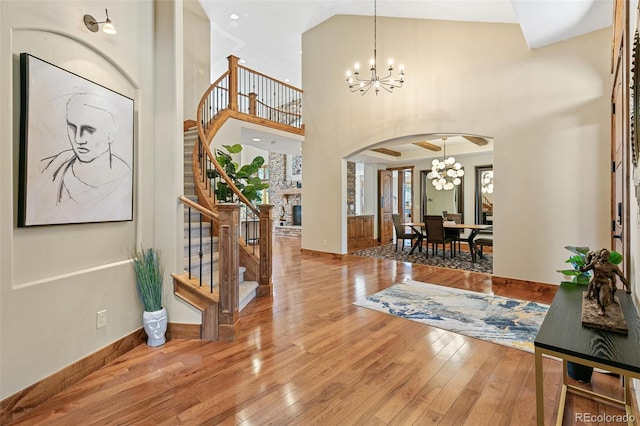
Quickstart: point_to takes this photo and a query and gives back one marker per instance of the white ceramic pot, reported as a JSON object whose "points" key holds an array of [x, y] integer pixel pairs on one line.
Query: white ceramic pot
{"points": [[155, 325]]}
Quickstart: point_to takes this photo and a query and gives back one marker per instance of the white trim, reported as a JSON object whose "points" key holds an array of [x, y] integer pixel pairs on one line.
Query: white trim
{"points": [[70, 274]]}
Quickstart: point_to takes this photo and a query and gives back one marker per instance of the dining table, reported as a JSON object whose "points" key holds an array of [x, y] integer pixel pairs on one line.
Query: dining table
{"points": [[475, 228]]}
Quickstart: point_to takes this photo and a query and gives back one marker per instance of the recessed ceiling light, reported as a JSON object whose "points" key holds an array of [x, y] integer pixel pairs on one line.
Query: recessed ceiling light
{"points": [[286, 80], [242, 61], [234, 16], [256, 139]]}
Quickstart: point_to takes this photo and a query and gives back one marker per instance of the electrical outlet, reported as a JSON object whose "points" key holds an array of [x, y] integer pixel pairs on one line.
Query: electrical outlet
{"points": [[324, 242], [101, 319]]}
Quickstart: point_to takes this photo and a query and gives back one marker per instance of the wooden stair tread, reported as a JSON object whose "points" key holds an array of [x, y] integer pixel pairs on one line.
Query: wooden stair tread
{"points": [[193, 293]]}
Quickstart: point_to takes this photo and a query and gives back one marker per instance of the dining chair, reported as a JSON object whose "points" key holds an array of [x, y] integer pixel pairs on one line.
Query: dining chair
{"points": [[482, 242], [455, 234], [436, 235], [401, 231]]}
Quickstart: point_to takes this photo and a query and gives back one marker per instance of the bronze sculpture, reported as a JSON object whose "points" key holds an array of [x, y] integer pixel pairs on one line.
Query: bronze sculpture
{"points": [[602, 286]]}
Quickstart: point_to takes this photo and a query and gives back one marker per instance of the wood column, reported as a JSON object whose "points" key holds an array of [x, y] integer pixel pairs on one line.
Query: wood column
{"points": [[265, 288], [233, 82], [228, 308]]}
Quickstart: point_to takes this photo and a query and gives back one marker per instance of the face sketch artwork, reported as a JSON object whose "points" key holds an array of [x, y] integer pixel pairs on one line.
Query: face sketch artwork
{"points": [[76, 161], [89, 127], [89, 174]]}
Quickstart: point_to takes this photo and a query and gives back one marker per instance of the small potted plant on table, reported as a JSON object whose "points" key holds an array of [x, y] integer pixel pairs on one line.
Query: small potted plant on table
{"points": [[580, 276]]}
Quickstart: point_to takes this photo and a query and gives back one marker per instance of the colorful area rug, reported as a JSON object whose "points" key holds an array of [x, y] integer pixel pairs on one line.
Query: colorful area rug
{"points": [[510, 322], [460, 261]]}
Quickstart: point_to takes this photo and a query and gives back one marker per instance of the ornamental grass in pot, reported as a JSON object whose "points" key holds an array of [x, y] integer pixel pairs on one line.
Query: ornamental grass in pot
{"points": [[148, 271]]}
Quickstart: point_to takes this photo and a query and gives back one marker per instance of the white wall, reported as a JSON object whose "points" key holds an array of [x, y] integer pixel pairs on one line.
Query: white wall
{"points": [[167, 226], [197, 51], [54, 279], [547, 109], [250, 152]]}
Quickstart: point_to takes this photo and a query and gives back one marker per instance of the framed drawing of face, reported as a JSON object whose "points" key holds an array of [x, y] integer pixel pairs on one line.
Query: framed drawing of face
{"points": [[76, 148]]}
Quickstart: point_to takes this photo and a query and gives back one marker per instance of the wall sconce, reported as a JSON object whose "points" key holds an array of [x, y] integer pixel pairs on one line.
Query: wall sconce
{"points": [[91, 23]]}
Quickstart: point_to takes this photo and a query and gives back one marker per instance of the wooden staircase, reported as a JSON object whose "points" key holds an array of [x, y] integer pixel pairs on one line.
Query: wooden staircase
{"points": [[213, 280], [201, 258]]}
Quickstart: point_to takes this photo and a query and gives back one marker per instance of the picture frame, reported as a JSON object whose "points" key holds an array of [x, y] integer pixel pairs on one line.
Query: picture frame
{"points": [[76, 148]]}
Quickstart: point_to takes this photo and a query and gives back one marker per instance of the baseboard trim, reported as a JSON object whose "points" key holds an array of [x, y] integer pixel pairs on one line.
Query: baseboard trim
{"points": [[324, 254], [18, 404], [183, 331], [516, 282], [543, 290]]}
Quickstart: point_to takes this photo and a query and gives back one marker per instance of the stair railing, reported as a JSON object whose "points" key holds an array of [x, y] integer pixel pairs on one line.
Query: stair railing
{"points": [[204, 215], [247, 95], [220, 310]]}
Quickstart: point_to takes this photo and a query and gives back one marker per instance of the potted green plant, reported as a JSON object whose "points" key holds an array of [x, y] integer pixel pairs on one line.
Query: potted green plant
{"points": [[578, 261], [245, 178], [149, 279]]}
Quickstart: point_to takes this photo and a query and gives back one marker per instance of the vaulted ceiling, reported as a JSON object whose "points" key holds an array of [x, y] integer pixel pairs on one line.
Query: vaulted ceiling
{"points": [[268, 36]]}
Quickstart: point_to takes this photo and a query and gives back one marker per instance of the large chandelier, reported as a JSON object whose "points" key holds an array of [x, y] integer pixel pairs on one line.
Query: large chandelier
{"points": [[486, 183], [387, 82], [445, 174]]}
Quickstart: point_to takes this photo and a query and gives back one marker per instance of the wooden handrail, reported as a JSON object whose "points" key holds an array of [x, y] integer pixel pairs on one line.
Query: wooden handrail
{"points": [[232, 92], [224, 175], [208, 213], [203, 101], [210, 155], [280, 111], [288, 86]]}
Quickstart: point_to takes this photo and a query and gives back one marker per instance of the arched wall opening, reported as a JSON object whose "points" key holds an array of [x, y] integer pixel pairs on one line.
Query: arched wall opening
{"points": [[416, 153], [547, 109]]}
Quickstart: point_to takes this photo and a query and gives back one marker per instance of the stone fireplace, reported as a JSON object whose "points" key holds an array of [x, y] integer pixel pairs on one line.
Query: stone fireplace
{"points": [[285, 194]]}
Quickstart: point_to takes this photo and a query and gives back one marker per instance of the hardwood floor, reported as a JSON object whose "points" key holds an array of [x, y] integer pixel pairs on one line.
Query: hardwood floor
{"points": [[310, 357]]}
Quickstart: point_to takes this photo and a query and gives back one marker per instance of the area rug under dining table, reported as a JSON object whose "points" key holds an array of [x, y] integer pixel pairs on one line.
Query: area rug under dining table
{"points": [[460, 261], [510, 322]]}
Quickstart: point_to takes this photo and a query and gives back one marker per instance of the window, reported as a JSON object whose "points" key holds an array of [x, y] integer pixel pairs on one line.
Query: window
{"points": [[403, 192]]}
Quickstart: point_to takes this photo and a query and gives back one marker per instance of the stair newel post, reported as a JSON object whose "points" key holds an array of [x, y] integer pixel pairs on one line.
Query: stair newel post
{"points": [[228, 310], [253, 104], [233, 82], [265, 289]]}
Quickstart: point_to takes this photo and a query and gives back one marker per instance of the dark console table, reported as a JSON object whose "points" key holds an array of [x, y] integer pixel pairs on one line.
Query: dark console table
{"points": [[562, 335]]}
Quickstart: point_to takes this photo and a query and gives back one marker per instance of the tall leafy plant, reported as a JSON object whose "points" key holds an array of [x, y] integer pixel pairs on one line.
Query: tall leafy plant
{"points": [[148, 271], [245, 178], [579, 259]]}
